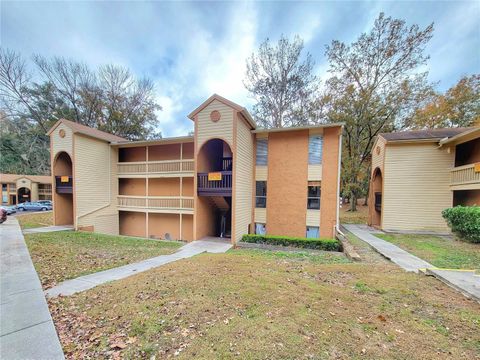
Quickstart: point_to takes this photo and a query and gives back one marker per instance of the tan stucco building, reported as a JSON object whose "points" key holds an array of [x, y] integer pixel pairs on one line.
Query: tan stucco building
{"points": [[228, 179], [417, 174], [17, 188]]}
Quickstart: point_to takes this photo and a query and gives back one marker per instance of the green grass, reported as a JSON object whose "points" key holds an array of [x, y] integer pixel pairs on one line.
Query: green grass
{"points": [[438, 251], [63, 255], [253, 304], [35, 220], [318, 258]]}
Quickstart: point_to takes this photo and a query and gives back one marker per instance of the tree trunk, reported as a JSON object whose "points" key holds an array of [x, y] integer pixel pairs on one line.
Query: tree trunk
{"points": [[353, 201], [365, 203]]}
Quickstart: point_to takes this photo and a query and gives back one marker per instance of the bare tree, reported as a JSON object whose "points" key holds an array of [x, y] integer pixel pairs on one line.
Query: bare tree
{"points": [[283, 84]]}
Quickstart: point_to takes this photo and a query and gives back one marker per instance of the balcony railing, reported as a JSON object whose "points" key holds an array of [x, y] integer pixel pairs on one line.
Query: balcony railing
{"points": [[166, 203], [166, 167], [64, 184], [464, 175], [221, 187]]}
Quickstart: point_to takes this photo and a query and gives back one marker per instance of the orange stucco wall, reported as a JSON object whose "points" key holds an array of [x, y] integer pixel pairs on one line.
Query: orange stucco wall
{"points": [[132, 154], [287, 183], [328, 207], [374, 216], [205, 221], [164, 187], [187, 187], [188, 150], [164, 152], [187, 227], [133, 187], [63, 166], [160, 224], [132, 223], [466, 197]]}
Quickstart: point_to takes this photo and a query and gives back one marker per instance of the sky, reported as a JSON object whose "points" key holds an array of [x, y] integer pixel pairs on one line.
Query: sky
{"points": [[194, 49]]}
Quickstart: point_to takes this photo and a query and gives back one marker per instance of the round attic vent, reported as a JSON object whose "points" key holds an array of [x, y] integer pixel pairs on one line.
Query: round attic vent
{"points": [[377, 150], [215, 115], [61, 133]]}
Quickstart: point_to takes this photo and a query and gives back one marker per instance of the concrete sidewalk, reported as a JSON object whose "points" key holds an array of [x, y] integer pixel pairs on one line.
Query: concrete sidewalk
{"points": [[86, 282], [399, 256], [465, 281], [26, 326], [45, 229]]}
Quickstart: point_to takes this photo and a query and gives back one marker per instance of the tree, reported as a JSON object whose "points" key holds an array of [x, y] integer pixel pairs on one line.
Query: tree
{"points": [[282, 84], [459, 106], [110, 99], [376, 86]]}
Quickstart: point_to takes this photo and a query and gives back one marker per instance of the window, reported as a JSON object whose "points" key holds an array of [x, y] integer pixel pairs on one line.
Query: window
{"points": [[260, 229], [4, 187], [262, 151], [313, 195], [261, 194], [315, 149], [313, 232]]}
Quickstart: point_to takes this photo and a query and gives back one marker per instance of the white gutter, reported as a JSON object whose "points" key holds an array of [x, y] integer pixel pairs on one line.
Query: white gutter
{"points": [[337, 225]]}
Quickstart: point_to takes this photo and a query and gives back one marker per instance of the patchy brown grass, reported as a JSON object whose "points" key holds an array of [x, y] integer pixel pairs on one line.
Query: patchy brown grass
{"points": [[356, 217], [244, 305], [34, 220], [63, 255]]}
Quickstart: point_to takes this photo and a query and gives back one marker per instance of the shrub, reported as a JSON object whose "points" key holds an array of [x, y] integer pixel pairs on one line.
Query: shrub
{"points": [[464, 222], [318, 244]]}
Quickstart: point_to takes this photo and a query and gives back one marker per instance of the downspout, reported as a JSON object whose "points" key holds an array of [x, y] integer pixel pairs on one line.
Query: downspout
{"points": [[337, 225]]}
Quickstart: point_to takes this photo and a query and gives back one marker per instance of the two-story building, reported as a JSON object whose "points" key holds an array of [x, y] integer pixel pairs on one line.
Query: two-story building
{"points": [[17, 188], [417, 174], [226, 180]]}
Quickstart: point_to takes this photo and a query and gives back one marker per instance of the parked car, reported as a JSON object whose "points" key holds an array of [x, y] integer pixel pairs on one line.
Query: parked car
{"points": [[3, 215], [33, 206], [9, 209], [46, 202]]}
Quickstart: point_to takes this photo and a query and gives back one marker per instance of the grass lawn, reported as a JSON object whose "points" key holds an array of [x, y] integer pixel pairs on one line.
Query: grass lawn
{"points": [[63, 255], [251, 304], [438, 251], [34, 220], [357, 217]]}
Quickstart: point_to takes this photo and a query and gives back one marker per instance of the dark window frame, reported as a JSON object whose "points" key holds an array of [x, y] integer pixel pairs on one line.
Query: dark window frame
{"points": [[315, 149], [261, 199], [261, 153], [314, 200]]}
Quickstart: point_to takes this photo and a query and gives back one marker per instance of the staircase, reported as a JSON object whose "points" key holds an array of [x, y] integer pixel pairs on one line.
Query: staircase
{"points": [[220, 203], [223, 205]]}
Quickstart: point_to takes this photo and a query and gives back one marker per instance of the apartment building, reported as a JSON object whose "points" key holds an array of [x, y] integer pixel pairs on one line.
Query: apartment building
{"points": [[226, 180], [417, 174], [17, 188]]}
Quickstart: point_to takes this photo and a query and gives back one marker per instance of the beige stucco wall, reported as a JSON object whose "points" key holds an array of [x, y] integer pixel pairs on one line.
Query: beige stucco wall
{"points": [[96, 185], [222, 129], [243, 165], [416, 187]]}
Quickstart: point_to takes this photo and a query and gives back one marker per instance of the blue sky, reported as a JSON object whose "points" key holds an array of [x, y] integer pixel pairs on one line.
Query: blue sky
{"points": [[194, 49]]}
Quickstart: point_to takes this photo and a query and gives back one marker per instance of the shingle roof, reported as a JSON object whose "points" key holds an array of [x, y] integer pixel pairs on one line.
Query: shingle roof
{"points": [[428, 134], [86, 130], [11, 178]]}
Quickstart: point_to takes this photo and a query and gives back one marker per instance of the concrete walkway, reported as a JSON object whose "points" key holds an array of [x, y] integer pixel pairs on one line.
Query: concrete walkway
{"points": [[86, 282], [465, 281], [27, 330], [45, 229], [399, 256]]}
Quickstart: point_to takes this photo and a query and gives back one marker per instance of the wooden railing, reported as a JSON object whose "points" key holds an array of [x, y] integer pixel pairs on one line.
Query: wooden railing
{"points": [[156, 202], [44, 191], [155, 167], [221, 187], [463, 175]]}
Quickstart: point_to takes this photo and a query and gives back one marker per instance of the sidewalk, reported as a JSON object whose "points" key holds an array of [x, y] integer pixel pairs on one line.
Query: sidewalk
{"points": [[27, 330], [45, 229], [86, 282], [464, 281]]}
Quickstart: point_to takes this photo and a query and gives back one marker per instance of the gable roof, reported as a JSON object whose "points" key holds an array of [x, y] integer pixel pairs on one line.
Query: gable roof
{"points": [[425, 135], [11, 178], [227, 102], [469, 134], [86, 130]]}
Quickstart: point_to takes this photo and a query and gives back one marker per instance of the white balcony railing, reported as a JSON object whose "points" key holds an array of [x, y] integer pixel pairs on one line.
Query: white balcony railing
{"points": [[156, 167], [464, 175], [172, 203]]}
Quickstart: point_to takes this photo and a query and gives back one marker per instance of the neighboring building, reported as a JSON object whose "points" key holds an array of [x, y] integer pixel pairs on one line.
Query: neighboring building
{"points": [[227, 180], [17, 189], [417, 174]]}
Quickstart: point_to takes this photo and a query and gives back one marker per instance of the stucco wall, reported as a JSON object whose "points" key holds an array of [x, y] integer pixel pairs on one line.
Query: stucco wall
{"points": [[164, 187], [132, 223], [132, 187], [164, 152], [160, 224]]}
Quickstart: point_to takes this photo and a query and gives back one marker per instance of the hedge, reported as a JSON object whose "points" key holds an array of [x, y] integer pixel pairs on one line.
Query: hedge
{"points": [[318, 244], [464, 222]]}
